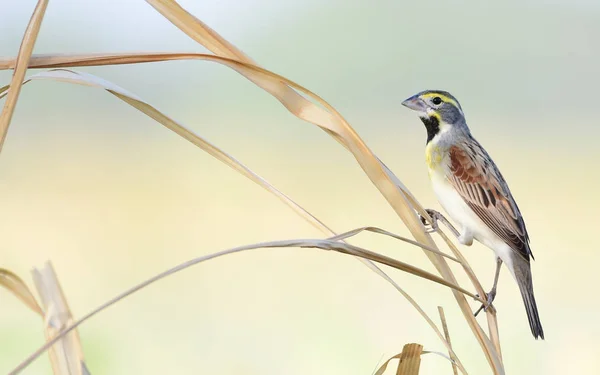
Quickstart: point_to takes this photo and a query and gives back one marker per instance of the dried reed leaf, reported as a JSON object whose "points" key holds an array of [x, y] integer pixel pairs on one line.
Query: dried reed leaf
{"points": [[385, 364], [447, 335], [379, 258], [89, 80], [330, 120], [397, 195], [198, 30], [93, 81], [354, 232], [490, 313], [22, 61], [70, 76], [215, 43], [76, 60], [324, 244], [305, 107], [336, 126], [389, 185], [16, 286], [66, 355], [311, 113]]}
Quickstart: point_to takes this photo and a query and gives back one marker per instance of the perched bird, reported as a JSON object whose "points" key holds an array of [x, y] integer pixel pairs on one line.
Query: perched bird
{"points": [[473, 192]]}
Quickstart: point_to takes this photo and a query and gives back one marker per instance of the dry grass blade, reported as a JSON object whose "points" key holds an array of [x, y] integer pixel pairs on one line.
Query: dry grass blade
{"points": [[490, 313], [447, 334], [89, 80], [66, 355], [301, 243], [399, 198], [215, 43], [15, 285], [74, 60], [31, 33], [342, 132], [329, 120], [376, 257], [198, 30], [385, 364], [354, 232]]}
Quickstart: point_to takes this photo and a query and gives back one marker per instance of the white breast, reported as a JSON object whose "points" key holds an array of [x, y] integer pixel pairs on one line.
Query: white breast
{"points": [[464, 216], [438, 161]]}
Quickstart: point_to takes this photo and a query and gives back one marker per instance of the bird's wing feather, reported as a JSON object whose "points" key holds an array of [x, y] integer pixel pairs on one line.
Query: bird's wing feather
{"points": [[479, 182]]}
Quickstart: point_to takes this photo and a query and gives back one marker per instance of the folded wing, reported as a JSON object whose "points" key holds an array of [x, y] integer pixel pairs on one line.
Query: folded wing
{"points": [[477, 179]]}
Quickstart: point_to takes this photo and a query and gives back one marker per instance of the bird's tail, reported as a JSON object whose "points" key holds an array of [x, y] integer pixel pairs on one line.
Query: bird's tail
{"points": [[523, 276]]}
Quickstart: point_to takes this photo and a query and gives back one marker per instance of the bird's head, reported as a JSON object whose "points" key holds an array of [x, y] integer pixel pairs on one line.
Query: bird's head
{"points": [[439, 111]]}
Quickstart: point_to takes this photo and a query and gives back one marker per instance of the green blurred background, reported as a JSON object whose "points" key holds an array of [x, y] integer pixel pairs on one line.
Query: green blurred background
{"points": [[111, 197]]}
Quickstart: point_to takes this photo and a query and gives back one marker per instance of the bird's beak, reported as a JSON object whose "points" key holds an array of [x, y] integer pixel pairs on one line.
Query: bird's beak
{"points": [[415, 103]]}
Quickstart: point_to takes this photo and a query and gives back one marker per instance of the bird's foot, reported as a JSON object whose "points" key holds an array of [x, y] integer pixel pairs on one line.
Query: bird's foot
{"points": [[489, 299], [435, 217]]}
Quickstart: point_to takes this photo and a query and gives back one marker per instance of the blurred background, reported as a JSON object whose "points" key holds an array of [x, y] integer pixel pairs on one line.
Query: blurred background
{"points": [[112, 197]]}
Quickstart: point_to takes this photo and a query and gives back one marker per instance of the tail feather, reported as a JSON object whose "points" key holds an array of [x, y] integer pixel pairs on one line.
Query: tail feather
{"points": [[523, 277]]}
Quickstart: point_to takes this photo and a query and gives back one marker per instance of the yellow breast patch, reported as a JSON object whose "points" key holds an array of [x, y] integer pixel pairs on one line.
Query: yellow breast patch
{"points": [[433, 156]]}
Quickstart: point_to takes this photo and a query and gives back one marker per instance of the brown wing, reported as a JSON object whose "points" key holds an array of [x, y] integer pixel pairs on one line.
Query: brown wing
{"points": [[475, 176]]}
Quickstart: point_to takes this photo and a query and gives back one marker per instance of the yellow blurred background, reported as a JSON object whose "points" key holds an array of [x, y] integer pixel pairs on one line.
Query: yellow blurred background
{"points": [[112, 198]]}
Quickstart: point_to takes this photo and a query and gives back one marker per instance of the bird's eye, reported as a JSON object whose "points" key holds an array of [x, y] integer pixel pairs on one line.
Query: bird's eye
{"points": [[437, 100]]}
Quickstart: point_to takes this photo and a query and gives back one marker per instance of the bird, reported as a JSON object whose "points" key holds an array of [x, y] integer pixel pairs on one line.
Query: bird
{"points": [[475, 195]]}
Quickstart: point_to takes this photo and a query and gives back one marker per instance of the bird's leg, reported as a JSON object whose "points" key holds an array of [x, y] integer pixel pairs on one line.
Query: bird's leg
{"points": [[438, 217], [492, 294]]}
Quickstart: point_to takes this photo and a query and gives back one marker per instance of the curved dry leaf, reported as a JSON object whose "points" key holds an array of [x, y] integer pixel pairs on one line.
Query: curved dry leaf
{"points": [[396, 196], [300, 243], [389, 185], [111, 59], [15, 285], [313, 114], [385, 364], [75, 60], [269, 81], [198, 30], [89, 80], [31, 33], [447, 334], [356, 231], [215, 43]]}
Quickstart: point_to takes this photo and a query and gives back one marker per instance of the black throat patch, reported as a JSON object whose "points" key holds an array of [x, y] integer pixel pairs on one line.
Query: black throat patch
{"points": [[432, 124]]}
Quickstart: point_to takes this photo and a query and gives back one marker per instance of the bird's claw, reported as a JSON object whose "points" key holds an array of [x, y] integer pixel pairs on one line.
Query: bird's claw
{"points": [[489, 299], [433, 226]]}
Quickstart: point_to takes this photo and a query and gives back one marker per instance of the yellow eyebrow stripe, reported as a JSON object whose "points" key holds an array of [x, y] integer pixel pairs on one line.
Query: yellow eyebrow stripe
{"points": [[441, 96]]}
